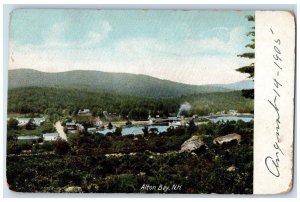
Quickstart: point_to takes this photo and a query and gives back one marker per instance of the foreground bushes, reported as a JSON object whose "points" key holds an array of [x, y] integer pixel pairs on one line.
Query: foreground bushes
{"points": [[113, 164]]}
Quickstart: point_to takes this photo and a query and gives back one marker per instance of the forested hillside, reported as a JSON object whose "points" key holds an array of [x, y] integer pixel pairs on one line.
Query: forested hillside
{"points": [[121, 83], [53, 101]]}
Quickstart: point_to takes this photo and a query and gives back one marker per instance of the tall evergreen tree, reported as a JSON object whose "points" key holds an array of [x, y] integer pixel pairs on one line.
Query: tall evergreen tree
{"points": [[249, 69]]}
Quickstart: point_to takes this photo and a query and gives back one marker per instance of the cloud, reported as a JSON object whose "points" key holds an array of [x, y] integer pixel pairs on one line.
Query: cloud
{"points": [[75, 35], [138, 47], [193, 61]]}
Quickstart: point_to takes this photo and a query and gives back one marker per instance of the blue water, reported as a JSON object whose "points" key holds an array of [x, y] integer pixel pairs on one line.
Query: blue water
{"points": [[137, 130], [231, 118]]}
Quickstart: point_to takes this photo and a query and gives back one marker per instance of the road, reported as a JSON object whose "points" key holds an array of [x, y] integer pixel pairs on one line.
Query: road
{"points": [[60, 130]]}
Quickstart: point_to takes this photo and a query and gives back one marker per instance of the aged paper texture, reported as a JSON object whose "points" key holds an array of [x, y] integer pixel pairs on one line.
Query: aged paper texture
{"points": [[274, 102]]}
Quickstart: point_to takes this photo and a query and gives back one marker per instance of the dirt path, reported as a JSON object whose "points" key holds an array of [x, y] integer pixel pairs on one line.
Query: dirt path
{"points": [[60, 130]]}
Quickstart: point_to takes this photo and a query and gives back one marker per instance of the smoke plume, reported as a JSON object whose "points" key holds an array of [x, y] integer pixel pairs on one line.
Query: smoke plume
{"points": [[184, 107]]}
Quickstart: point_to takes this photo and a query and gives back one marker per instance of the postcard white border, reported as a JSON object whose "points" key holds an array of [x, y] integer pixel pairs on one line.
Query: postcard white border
{"points": [[274, 102], [6, 10]]}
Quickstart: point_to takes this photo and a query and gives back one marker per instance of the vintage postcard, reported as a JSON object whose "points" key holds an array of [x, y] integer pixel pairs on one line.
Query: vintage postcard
{"points": [[150, 101]]}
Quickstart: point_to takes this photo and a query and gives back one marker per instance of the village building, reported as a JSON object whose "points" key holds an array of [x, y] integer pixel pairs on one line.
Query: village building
{"points": [[96, 122], [84, 112], [23, 121], [50, 136], [80, 127], [71, 125], [111, 116], [91, 130], [233, 112], [29, 138]]}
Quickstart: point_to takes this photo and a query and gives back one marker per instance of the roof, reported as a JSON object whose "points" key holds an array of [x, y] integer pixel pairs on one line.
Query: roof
{"points": [[227, 138], [23, 119], [50, 135], [39, 119], [28, 119], [28, 137]]}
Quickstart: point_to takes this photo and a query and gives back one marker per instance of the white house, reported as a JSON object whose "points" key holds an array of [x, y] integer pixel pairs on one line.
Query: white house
{"points": [[50, 136], [39, 121], [36, 121], [232, 112], [28, 137], [91, 130], [71, 126], [85, 112]]}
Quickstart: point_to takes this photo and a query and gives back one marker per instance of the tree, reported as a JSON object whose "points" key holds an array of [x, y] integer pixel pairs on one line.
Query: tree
{"points": [[192, 127], [62, 147], [128, 123], [110, 126], [249, 69], [118, 131], [153, 131], [145, 130], [30, 125], [48, 127], [12, 124]]}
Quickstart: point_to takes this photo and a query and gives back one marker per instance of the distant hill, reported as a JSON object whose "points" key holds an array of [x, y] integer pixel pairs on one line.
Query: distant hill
{"points": [[121, 83], [245, 84]]}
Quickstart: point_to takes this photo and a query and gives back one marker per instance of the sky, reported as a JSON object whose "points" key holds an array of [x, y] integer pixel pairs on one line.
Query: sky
{"points": [[193, 47]]}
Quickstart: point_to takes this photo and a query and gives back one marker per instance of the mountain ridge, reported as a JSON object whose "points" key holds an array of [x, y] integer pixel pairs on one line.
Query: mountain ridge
{"points": [[121, 83]]}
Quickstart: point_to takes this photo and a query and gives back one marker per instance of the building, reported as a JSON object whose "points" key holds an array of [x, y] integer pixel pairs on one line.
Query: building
{"points": [[39, 121], [80, 127], [232, 112], [36, 121], [195, 116], [50, 136], [91, 130], [84, 112], [71, 126], [96, 122], [23, 121], [28, 138], [221, 112], [111, 116]]}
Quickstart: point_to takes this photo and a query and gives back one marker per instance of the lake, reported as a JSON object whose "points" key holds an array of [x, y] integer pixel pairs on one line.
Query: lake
{"points": [[231, 118], [137, 130]]}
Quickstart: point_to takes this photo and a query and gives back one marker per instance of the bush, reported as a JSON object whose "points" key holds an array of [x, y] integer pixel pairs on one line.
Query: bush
{"points": [[12, 124], [62, 147]]}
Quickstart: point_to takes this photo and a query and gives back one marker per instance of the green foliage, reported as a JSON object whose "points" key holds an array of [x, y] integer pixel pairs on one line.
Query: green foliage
{"points": [[192, 127], [109, 126], [46, 102], [247, 55], [203, 104], [247, 69], [250, 68], [205, 172], [248, 93], [61, 147], [145, 130], [128, 123], [250, 18], [12, 124], [47, 127], [30, 125], [252, 46], [118, 131]]}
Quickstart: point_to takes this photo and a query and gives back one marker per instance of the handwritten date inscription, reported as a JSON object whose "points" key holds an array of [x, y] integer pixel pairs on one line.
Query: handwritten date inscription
{"points": [[272, 162]]}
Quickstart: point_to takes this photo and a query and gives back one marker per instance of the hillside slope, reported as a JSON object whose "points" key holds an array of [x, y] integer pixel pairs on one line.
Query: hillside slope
{"points": [[121, 83]]}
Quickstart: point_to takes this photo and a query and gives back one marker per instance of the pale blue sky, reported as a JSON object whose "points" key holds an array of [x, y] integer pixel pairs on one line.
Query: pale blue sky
{"points": [[196, 47]]}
